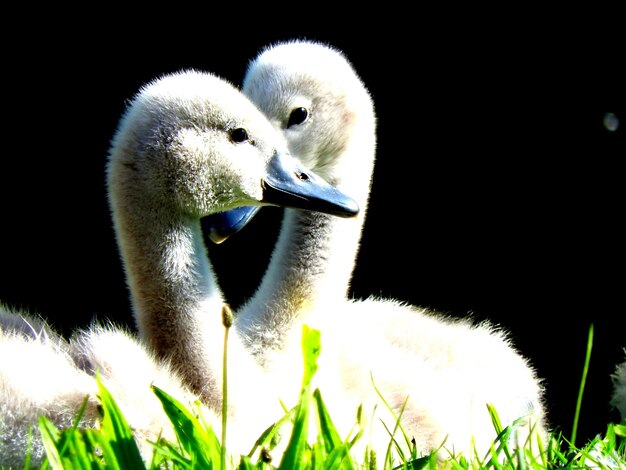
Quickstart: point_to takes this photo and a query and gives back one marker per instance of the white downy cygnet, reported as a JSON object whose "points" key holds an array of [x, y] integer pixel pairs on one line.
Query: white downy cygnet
{"points": [[189, 144], [449, 370]]}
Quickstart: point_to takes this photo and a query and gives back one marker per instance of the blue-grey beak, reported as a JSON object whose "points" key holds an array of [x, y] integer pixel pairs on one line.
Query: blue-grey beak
{"points": [[286, 184], [289, 184], [222, 225]]}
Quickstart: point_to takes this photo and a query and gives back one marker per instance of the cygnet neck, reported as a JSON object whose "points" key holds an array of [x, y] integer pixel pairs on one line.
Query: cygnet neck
{"points": [[174, 292]]}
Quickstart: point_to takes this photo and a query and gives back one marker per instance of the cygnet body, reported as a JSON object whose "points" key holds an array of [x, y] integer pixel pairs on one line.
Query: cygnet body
{"points": [[189, 144], [447, 369]]}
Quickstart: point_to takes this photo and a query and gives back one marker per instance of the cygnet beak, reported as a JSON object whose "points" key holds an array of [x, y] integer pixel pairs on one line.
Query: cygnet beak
{"points": [[287, 184], [222, 225]]}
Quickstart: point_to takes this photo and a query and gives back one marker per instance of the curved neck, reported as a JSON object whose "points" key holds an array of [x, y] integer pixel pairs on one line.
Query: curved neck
{"points": [[312, 261], [176, 301]]}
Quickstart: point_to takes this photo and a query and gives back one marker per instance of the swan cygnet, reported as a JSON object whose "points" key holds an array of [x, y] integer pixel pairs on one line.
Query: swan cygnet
{"points": [[449, 369], [618, 400], [189, 145], [310, 92]]}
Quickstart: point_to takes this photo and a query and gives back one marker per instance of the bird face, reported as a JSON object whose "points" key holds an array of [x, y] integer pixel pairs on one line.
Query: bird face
{"points": [[195, 145], [310, 101]]}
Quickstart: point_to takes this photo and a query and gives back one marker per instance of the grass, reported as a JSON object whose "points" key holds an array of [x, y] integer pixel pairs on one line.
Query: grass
{"points": [[112, 446]]}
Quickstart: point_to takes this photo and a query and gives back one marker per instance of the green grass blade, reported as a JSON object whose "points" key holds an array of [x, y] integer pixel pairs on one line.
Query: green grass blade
{"points": [[246, 464], [117, 439], [196, 438], [583, 382], [416, 464], [50, 436], [71, 448], [329, 435], [339, 459], [397, 425], [271, 437], [297, 454], [334, 451]]}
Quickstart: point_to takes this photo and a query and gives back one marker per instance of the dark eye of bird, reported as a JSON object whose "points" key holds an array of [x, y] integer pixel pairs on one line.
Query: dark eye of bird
{"points": [[297, 116], [239, 135], [302, 176]]}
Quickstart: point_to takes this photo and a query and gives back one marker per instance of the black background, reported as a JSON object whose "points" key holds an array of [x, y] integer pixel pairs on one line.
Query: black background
{"points": [[498, 191]]}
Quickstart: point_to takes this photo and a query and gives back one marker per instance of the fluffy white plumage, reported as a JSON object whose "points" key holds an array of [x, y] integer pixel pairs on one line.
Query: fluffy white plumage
{"points": [[42, 379], [32, 356], [618, 399], [177, 158], [449, 369], [188, 145]]}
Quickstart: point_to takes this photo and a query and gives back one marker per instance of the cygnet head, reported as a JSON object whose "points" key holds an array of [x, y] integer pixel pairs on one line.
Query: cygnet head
{"points": [[311, 92], [191, 144]]}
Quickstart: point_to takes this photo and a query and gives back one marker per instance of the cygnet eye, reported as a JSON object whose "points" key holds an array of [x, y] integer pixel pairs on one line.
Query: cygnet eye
{"points": [[239, 135], [297, 116]]}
